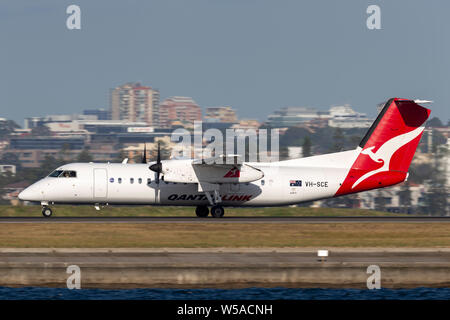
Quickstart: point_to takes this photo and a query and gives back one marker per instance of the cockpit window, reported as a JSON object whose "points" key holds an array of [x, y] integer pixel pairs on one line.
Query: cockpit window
{"points": [[69, 174], [63, 174], [55, 173]]}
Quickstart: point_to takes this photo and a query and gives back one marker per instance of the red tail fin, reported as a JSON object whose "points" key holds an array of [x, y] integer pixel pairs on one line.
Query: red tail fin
{"points": [[388, 147]]}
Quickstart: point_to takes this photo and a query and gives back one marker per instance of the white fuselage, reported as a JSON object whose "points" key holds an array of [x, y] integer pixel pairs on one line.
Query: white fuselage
{"points": [[283, 183]]}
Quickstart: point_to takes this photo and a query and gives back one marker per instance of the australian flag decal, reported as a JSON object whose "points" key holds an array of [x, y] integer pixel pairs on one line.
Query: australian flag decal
{"points": [[295, 183]]}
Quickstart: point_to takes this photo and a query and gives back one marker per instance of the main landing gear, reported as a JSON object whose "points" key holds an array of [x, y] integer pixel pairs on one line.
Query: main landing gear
{"points": [[46, 211], [216, 211], [202, 211]]}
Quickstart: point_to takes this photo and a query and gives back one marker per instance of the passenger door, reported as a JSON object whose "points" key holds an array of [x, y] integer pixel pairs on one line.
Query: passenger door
{"points": [[100, 184]]}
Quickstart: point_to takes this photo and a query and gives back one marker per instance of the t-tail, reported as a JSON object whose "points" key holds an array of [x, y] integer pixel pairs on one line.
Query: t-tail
{"points": [[387, 149]]}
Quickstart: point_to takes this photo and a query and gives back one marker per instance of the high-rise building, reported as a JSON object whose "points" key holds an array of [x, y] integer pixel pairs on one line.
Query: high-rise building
{"points": [[345, 117], [136, 103], [220, 114], [101, 114], [182, 110], [292, 116]]}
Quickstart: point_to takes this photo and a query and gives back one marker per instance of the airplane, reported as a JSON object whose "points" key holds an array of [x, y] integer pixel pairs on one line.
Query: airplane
{"points": [[382, 159]]}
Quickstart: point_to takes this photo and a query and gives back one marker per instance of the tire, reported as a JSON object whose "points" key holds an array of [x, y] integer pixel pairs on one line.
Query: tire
{"points": [[217, 211], [47, 212], [202, 211]]}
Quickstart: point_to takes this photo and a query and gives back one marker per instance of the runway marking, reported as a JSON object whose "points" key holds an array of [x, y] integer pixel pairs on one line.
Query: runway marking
{"points": [[150, 220]]}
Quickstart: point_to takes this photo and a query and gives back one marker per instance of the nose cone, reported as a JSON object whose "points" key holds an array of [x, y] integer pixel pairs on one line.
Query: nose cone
{"points": [[29, 194]]}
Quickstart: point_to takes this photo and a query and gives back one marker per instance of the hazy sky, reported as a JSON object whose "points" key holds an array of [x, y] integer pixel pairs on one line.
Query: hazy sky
{"points": [[254, 55]]}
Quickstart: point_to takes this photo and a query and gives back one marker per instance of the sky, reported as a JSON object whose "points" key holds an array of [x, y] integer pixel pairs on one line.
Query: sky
{"points": [[254, 55]]}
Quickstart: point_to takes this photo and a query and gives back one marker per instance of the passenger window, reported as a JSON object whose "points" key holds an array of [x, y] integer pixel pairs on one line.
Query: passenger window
{"points": [[131, 180], [140, 180], [149, 181], [111, 180], [262, 182], [119, 180]]}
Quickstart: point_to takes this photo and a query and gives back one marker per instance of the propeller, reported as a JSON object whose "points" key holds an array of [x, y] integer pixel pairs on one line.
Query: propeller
{"points": [[157, 167], [144, 157]]}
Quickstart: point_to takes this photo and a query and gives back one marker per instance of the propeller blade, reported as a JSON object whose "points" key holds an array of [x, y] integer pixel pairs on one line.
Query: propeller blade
{"points": [[144, 157], [158, 159], [157, 167]]}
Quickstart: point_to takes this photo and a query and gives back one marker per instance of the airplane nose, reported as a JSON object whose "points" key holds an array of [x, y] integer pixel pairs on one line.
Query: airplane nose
{"points": [[24, 194], [29, 194]]}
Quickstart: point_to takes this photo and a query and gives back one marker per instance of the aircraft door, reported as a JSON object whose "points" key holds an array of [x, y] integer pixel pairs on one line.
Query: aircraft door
{"points": [[100, 184]]}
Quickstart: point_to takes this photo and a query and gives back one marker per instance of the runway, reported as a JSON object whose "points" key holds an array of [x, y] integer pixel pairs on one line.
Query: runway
{"points": [[224, 267], [256, 219], [218, 256]]}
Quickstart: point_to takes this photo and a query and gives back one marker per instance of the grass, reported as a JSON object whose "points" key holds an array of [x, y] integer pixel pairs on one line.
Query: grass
{"points": [[141, 211], [177, 235]]}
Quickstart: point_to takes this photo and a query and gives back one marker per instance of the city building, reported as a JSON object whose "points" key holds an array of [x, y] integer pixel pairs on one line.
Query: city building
{"points": [[295, 152], [33, 122], [247, 124], [135, 102], [182, 109], [100, 114], [220, 114], [8, 168], [32, 151], [3, 144], [345, 117], [391, 198], [338, 116], [292, 116]]}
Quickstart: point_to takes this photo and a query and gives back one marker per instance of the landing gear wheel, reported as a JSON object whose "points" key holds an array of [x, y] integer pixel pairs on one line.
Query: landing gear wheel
{"points": [[217, 211], [47, 212], [202, 211]]}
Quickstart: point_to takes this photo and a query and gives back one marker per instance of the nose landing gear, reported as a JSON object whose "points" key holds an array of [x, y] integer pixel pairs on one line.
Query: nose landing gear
{"points": [[46, 211]]}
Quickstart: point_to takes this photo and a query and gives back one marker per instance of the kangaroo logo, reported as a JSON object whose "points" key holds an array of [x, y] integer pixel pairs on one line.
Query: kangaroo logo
{"points": [[233, 173], [386, 151]]}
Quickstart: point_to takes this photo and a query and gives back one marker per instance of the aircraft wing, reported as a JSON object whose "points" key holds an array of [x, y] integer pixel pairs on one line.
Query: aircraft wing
{"points": [[221, 169], [229, 160]]}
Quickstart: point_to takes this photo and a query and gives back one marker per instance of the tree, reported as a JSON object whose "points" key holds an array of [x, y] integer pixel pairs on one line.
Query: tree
{"points": [[380, 201], [405, 196], [165, 151], [49, 164], [436, 201], [434, 122], [6, 127], [306, 147], [436, 196], [10, 158], [84, 156], [138, 158], [339, 140]]}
